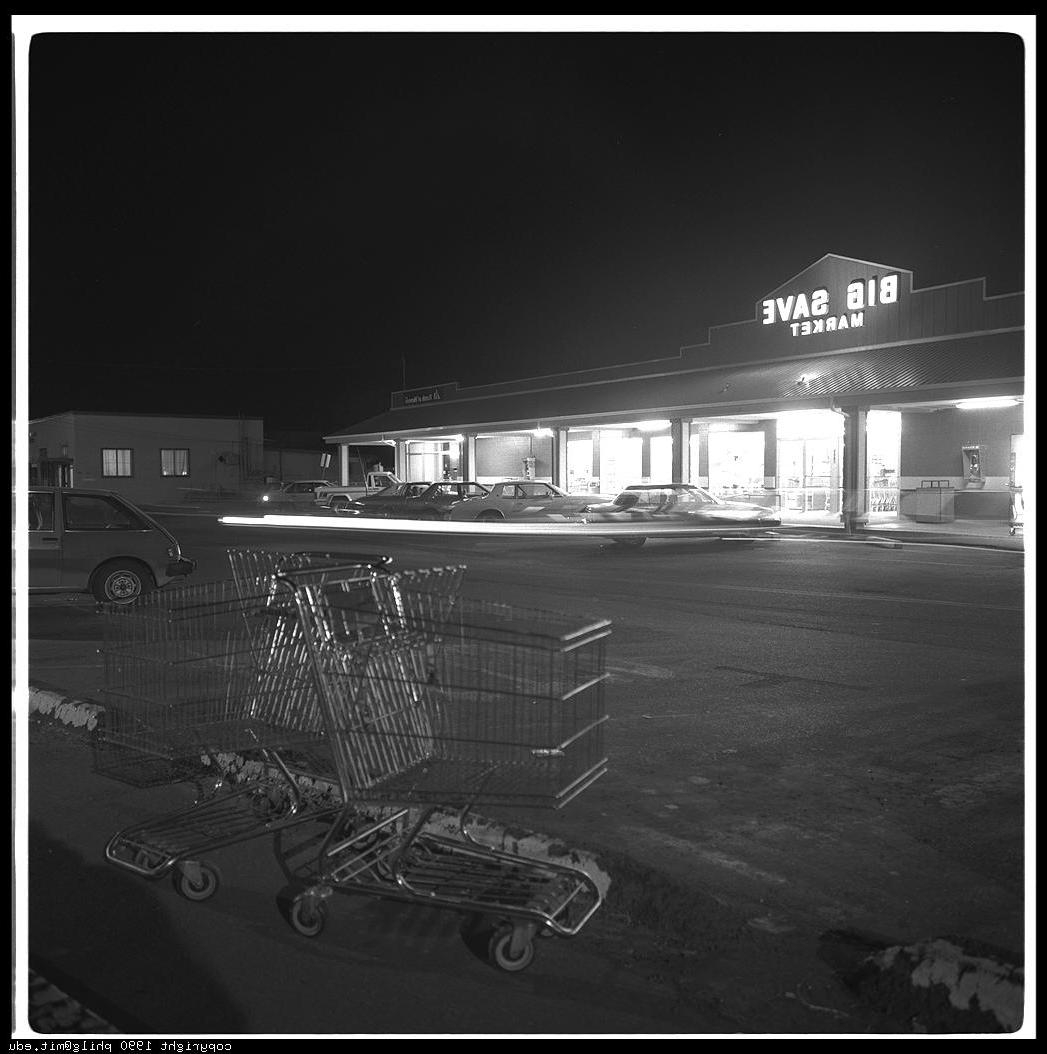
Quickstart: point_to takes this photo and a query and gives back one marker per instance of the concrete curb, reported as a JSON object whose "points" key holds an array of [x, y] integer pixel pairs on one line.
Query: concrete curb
{"points": [[60, 709], [938, 985]]}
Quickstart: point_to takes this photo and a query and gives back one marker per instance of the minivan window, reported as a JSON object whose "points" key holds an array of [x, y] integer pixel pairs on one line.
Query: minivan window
{"points": [[41, 512], [85, 512]]}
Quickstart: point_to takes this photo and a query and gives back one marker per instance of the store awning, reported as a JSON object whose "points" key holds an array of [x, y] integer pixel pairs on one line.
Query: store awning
{"points": [[911, 372]]}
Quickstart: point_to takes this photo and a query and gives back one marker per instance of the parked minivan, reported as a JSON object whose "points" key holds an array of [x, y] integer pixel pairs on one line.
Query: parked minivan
{"points": [[95, 541]]}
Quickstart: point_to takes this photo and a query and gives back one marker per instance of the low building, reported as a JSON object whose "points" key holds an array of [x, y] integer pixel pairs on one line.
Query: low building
{"points": [[851, 396], [150, 458]]}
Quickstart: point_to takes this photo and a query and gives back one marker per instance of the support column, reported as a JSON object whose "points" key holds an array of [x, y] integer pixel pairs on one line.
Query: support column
{"points": [[401, 460], [770, 455], [468, 455], [855, 513], [680, 430], [560, 458], [700, 472], [343, 464]]}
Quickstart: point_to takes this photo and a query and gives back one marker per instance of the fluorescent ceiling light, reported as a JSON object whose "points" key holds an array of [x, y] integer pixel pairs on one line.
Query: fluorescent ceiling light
{"points": [[986, 403], [640, 426]]}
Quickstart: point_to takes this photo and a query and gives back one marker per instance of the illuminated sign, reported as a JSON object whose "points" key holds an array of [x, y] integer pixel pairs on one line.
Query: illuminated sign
{"points": [[817, 312], [428, 395]]}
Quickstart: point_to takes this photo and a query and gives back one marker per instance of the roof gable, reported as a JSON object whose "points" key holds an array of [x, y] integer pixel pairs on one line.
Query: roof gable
{"points": [[831, 268]]}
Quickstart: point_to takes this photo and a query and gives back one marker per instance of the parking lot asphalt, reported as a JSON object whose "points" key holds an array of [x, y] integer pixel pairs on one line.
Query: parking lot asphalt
{"points": [[657, 883]]}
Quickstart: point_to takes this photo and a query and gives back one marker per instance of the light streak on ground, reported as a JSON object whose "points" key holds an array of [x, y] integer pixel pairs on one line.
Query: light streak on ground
{"points": [[490, 530]]}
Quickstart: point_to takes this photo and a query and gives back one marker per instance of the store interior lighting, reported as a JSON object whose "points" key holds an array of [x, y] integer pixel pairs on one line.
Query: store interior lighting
{"points": [[988, 403], [807, 424]]}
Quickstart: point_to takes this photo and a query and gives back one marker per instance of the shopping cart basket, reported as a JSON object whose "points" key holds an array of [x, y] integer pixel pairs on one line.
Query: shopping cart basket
{"points": [[223, 668], [493, 705]]}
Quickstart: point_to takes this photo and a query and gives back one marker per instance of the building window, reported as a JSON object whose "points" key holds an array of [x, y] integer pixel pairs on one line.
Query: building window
{"points": [[174, 461], [116, 461]]}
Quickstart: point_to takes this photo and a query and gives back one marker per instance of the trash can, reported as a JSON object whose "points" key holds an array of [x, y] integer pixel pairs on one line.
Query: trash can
{"points": [[935, 502]]}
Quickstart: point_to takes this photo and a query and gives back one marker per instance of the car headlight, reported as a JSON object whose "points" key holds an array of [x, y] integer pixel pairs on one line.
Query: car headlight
{"points": [[265, 497]]}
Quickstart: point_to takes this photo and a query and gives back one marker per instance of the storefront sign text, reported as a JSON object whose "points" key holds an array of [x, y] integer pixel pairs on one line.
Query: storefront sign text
{"points": [[814, 312], [414, 398]]}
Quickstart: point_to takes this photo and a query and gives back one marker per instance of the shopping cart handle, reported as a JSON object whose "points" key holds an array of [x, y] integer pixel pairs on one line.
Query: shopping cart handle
{"points": [[547, 752]]}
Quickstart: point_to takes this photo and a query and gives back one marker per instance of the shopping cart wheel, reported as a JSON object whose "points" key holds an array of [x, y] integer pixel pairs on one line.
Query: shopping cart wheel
{"points": [[501, 954], [308, 915], [196, 881]]}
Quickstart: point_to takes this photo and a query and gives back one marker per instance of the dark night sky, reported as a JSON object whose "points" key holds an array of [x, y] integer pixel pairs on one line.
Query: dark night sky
{"points": [[280, 225]]}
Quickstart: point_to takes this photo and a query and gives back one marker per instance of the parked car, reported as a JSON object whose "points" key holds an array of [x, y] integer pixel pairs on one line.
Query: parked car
{"points": [[372, 504], [433, 503], [95, 541], [522, 499], [680, 506], [298, 494], [336, 495]]}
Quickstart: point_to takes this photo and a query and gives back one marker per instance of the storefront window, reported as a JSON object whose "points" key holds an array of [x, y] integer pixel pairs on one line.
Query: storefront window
{"points": [[580, 466], [433, 461], [736, 463], [621, 461], [883, 448], [661, 459]]}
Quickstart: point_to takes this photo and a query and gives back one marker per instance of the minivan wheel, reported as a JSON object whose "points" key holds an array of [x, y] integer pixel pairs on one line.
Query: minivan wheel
{"points": [[121, 582]]}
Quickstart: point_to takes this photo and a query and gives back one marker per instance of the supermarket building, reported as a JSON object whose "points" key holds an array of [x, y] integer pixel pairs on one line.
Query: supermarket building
{"points": [[851, 397]]}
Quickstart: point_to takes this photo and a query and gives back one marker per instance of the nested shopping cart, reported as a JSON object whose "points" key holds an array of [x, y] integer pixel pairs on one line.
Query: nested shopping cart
{"points": [[493, 705], [223, 668]]}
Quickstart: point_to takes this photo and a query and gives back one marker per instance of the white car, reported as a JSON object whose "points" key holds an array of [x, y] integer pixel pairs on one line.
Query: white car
{"points": [[521, 499], [298, 494]]}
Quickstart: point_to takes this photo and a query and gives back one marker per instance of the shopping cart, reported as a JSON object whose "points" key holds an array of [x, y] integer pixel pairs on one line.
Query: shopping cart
{"points": [[493, 705], [223, 668]]}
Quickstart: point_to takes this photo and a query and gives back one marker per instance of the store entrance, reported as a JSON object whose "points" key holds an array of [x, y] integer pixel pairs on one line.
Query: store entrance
{"points": [[431, 462], [810, 475], [883, 430], [736, 463]]}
